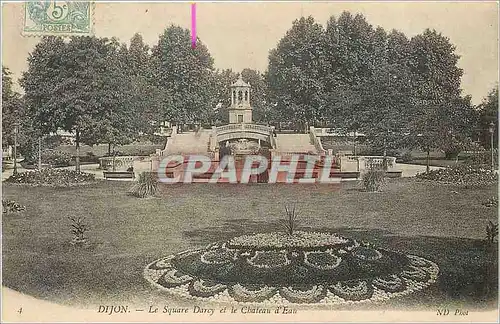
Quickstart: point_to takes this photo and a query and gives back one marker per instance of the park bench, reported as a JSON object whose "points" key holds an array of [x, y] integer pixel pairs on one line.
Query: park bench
{"points": [[119, 175]]}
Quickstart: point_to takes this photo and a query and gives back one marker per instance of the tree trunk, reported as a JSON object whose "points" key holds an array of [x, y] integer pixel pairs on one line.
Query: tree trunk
{"points": [[385, 148], [114, 158], [354, 143], [15, 149], [40, 153], [385, 155], [428, 160], [77, 159]]}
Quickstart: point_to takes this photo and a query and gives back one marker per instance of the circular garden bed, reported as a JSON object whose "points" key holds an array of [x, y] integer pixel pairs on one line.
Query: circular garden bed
{"points": [[304, 268]]}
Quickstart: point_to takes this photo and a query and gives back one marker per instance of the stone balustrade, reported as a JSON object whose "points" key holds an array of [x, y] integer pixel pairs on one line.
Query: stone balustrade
{"points": [[319, 131], [331, 132], [229, 127], [121, 163], [236, 127], [282, 154], [235, 131], [364, 163], [261, 128]]}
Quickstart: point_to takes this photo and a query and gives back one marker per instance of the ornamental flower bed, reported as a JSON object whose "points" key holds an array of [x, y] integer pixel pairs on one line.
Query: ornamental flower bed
{"points": [[302, 268], [52, 177], [10, 206], [461, 175]]}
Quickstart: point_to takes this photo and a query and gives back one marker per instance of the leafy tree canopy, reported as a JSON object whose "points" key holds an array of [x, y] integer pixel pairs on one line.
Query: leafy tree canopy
{"points": [[185, 75]]}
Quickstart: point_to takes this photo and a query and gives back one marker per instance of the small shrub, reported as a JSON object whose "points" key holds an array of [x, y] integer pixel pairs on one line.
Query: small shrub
{"points": [[147, 185], [373, 180], [492, 202], [290, 222], [491, 232], [51, 177], [56, 158], [78, 229], [491, 283], [10, 206]]}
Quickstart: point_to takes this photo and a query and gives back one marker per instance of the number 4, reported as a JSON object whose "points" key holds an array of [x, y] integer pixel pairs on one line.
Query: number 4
{"points": [[20, 310]]}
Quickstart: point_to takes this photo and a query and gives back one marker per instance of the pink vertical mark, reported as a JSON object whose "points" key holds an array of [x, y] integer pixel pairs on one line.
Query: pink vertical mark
{"points": [[193, 25]]}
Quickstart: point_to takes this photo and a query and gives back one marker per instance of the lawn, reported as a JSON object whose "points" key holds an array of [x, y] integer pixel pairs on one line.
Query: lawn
{"points": [[442, 223]]}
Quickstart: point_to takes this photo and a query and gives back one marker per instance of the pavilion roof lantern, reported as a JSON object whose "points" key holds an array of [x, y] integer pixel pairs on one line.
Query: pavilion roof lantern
{"points": [[240, 83]]}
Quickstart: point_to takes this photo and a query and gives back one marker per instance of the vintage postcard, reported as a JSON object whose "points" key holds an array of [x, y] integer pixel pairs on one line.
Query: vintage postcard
{"points": [[249, 161]]}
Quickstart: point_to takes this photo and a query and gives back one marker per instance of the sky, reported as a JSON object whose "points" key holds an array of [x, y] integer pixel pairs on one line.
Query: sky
{"points": [[240, 34]]}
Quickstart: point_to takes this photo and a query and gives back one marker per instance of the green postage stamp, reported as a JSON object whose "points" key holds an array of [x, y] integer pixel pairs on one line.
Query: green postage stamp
{"points": [[63, 18]]}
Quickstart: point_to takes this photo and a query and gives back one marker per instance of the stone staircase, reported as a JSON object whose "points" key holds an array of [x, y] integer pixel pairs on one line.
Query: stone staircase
{"points": [[294, 143]]}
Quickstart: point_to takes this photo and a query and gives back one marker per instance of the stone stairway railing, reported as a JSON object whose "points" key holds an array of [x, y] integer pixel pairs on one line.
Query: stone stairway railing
{"points": [[316, 141], [273, 141], [170, 140], [212, 143]]}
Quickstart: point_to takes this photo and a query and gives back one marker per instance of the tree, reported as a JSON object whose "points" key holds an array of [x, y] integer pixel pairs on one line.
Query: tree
{"points": [[488, 113], [367, 81], [14, 111], [350, 44], [387, 95], [77, 86], [433, 65], [12, 108], [138, 60], [144, 99], [185, 75], [398, 55], [139, 111], [29, 140], [295, 71], [457, 126]]}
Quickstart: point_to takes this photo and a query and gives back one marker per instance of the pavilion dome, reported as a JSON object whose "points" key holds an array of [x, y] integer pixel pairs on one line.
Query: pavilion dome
{"points": [[240, 83]]}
